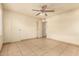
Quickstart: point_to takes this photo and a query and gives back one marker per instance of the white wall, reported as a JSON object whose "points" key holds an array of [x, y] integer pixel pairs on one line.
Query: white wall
{"points": [[64, 27], [18, 26], [1, 33]]}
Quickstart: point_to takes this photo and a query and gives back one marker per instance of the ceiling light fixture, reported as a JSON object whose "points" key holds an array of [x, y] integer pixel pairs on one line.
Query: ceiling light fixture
{"points": [[43, 10]]}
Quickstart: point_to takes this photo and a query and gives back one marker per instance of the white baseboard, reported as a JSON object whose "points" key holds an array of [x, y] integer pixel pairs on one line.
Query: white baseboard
{"points": [[18, 40], [65, 38]]}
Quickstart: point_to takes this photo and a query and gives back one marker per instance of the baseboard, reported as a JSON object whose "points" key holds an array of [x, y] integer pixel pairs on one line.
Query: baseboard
{"points": [[8, 42], [64, 42]]}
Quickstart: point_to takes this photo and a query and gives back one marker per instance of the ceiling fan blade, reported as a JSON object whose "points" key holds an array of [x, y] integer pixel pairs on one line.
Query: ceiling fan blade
{"points": [[35, 10], [49, 10], [37, 14], [45, 14]]}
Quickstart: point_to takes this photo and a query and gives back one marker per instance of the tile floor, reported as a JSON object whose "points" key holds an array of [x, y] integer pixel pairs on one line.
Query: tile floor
{"points": [[39, 47]]}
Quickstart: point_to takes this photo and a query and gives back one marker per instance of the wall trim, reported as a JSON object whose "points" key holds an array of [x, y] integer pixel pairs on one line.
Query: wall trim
{"points": [[64, 42], [19, 40]]}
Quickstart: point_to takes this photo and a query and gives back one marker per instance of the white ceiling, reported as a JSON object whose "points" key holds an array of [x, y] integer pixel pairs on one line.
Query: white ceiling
{"points": [[26, 8]]}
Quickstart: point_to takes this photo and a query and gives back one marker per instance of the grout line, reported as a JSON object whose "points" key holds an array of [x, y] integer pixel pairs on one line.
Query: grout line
{"points": [[63, 51], [35, 45], [7, 48], [30, 49], [54, 47], [19, 49]]}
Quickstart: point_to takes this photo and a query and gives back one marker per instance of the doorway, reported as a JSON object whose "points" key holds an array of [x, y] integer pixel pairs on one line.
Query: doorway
{"points": [[44, 28], [41, 28]]}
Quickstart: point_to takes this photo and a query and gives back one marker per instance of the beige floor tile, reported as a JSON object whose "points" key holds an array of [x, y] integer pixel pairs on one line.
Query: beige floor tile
{"points": [[25, 50], [39, 47], [56, 51], [77, 54], [4, 50], [13, 50], [70, 51]]}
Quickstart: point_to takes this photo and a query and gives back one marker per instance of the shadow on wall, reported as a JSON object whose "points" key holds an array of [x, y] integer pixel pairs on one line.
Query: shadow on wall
{"points": [[64, 27]]}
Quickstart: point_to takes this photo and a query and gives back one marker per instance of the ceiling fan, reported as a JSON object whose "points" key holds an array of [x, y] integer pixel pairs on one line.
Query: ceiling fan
{"points": [[43, 10]]}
